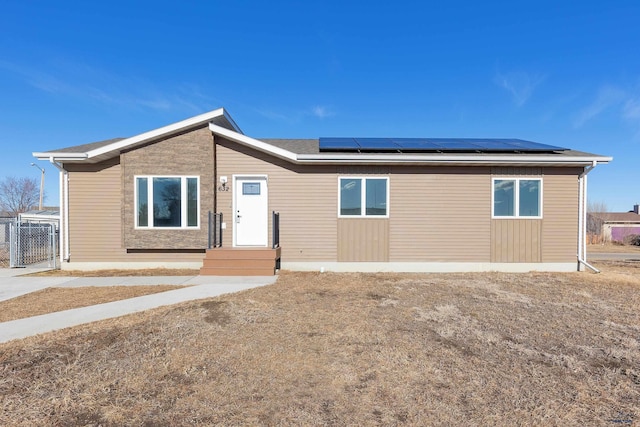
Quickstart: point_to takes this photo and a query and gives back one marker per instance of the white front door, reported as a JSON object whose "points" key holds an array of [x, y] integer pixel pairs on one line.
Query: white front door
{"points": [[251, 220]]}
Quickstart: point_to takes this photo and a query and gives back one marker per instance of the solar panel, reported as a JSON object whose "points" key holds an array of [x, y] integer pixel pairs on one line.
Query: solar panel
{"points": [[434, 145], [377, 144], [338, 144], [416, 144]]}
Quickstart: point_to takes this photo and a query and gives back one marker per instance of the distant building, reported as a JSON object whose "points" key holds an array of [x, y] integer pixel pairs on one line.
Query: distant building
{"points": [[615, 226]]}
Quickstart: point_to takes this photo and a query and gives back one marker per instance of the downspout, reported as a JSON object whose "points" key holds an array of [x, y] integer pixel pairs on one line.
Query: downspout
{"points": [[582, 217], [64, 210]]}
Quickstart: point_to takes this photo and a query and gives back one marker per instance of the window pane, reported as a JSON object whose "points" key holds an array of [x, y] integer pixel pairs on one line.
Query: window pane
{"points": [[529, 197], [250, 188], [376, 199], [142, 202], [166, 202], [350, 196], [192, 202], [503, 197]]}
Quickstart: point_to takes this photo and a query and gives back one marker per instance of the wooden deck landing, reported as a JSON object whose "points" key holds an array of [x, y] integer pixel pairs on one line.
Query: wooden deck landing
{"points": [[240, 262]]}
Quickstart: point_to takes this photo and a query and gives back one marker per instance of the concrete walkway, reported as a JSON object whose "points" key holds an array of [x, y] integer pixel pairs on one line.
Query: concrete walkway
{"points": [[196, 287], [613, 256]]}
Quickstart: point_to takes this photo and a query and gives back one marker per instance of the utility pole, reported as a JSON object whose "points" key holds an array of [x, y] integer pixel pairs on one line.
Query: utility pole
{"points": [[41, 184]]}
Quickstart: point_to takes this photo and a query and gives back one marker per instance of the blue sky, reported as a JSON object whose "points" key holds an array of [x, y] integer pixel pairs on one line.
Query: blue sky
{"points": [[555, 72]]}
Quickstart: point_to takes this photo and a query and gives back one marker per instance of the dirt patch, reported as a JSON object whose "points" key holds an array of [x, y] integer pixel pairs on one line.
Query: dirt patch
{"points": [[348, 349], [51, 300], [118, 273]]}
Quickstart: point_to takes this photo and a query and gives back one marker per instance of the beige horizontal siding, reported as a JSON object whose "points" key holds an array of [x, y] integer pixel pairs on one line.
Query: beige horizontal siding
{"points": [[560, 221], [95, 222], [95, 218], [363, 240], [440, 214], [304, 196]]}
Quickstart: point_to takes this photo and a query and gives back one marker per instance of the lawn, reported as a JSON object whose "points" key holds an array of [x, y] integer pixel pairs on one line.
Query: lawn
{"points": [[50, 300], [349, 349]]}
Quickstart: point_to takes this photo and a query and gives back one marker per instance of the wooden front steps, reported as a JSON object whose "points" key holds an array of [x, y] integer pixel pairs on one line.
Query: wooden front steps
{"points": [[240, 262]]}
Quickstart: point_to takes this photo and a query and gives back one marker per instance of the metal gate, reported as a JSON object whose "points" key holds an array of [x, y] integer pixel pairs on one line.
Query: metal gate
{"points": [[32, 243], [5, 224]]}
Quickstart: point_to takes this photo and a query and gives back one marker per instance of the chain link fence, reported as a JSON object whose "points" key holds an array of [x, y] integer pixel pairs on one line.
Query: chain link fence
{"points": [[24, 244], [5, 244]]}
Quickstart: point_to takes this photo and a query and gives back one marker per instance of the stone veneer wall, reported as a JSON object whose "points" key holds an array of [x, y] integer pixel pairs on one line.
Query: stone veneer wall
{"points": [[189, 153]]}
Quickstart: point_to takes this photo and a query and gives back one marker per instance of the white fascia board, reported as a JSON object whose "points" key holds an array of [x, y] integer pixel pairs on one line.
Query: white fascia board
{"points": [[400, 159], [443, 159], [254, 143], [184, 124], [59, 156]]}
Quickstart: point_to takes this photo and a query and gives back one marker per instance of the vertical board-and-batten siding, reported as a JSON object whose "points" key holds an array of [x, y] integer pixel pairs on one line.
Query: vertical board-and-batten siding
{"points": [[304, 196], [363, 240], [440, 214]]}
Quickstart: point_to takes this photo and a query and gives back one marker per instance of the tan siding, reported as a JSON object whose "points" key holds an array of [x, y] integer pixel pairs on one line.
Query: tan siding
{"points": [[560, 221], [305, 197], [551, 239], [363, 240], [440, 214], [95, 220], [95, 226], [516, 240], [516, 171]]}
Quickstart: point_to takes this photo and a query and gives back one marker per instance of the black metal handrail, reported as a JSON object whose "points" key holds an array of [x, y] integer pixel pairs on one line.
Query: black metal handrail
{"points": [[215, 230], [276, 229]]}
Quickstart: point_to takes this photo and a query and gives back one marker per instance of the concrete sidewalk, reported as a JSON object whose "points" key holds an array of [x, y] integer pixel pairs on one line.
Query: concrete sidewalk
{"points": [[196, 287]]}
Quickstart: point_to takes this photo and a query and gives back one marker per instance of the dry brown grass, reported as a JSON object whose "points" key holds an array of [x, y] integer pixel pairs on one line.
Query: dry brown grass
{"points": [[57, 299], [119, 273], [612, 248], [348, 349]]}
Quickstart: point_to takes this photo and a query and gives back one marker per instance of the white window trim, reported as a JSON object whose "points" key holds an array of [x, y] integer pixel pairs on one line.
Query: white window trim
{"points": [[516, 196], [183, 202], [363, 197]]}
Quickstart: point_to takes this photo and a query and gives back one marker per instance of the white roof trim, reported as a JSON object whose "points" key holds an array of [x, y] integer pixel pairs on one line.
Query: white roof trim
{"points": [[60, 156], [236, 135], [254, 143], [338, 158], [184, 124], [127, 142], [441, 158]]}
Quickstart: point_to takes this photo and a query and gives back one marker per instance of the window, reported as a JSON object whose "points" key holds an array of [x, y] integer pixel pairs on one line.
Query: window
{"points": [[517, 198], [167, 202], [362, 197], [250, 188]]}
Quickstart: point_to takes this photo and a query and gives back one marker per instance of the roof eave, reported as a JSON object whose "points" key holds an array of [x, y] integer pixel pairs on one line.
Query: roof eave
{"points": [[440, 159], [111, 150], [60, 157], [452, 160]]}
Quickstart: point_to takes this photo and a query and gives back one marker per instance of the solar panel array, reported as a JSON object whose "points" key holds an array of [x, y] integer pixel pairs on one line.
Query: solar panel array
{"points": [[438, 145]]}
